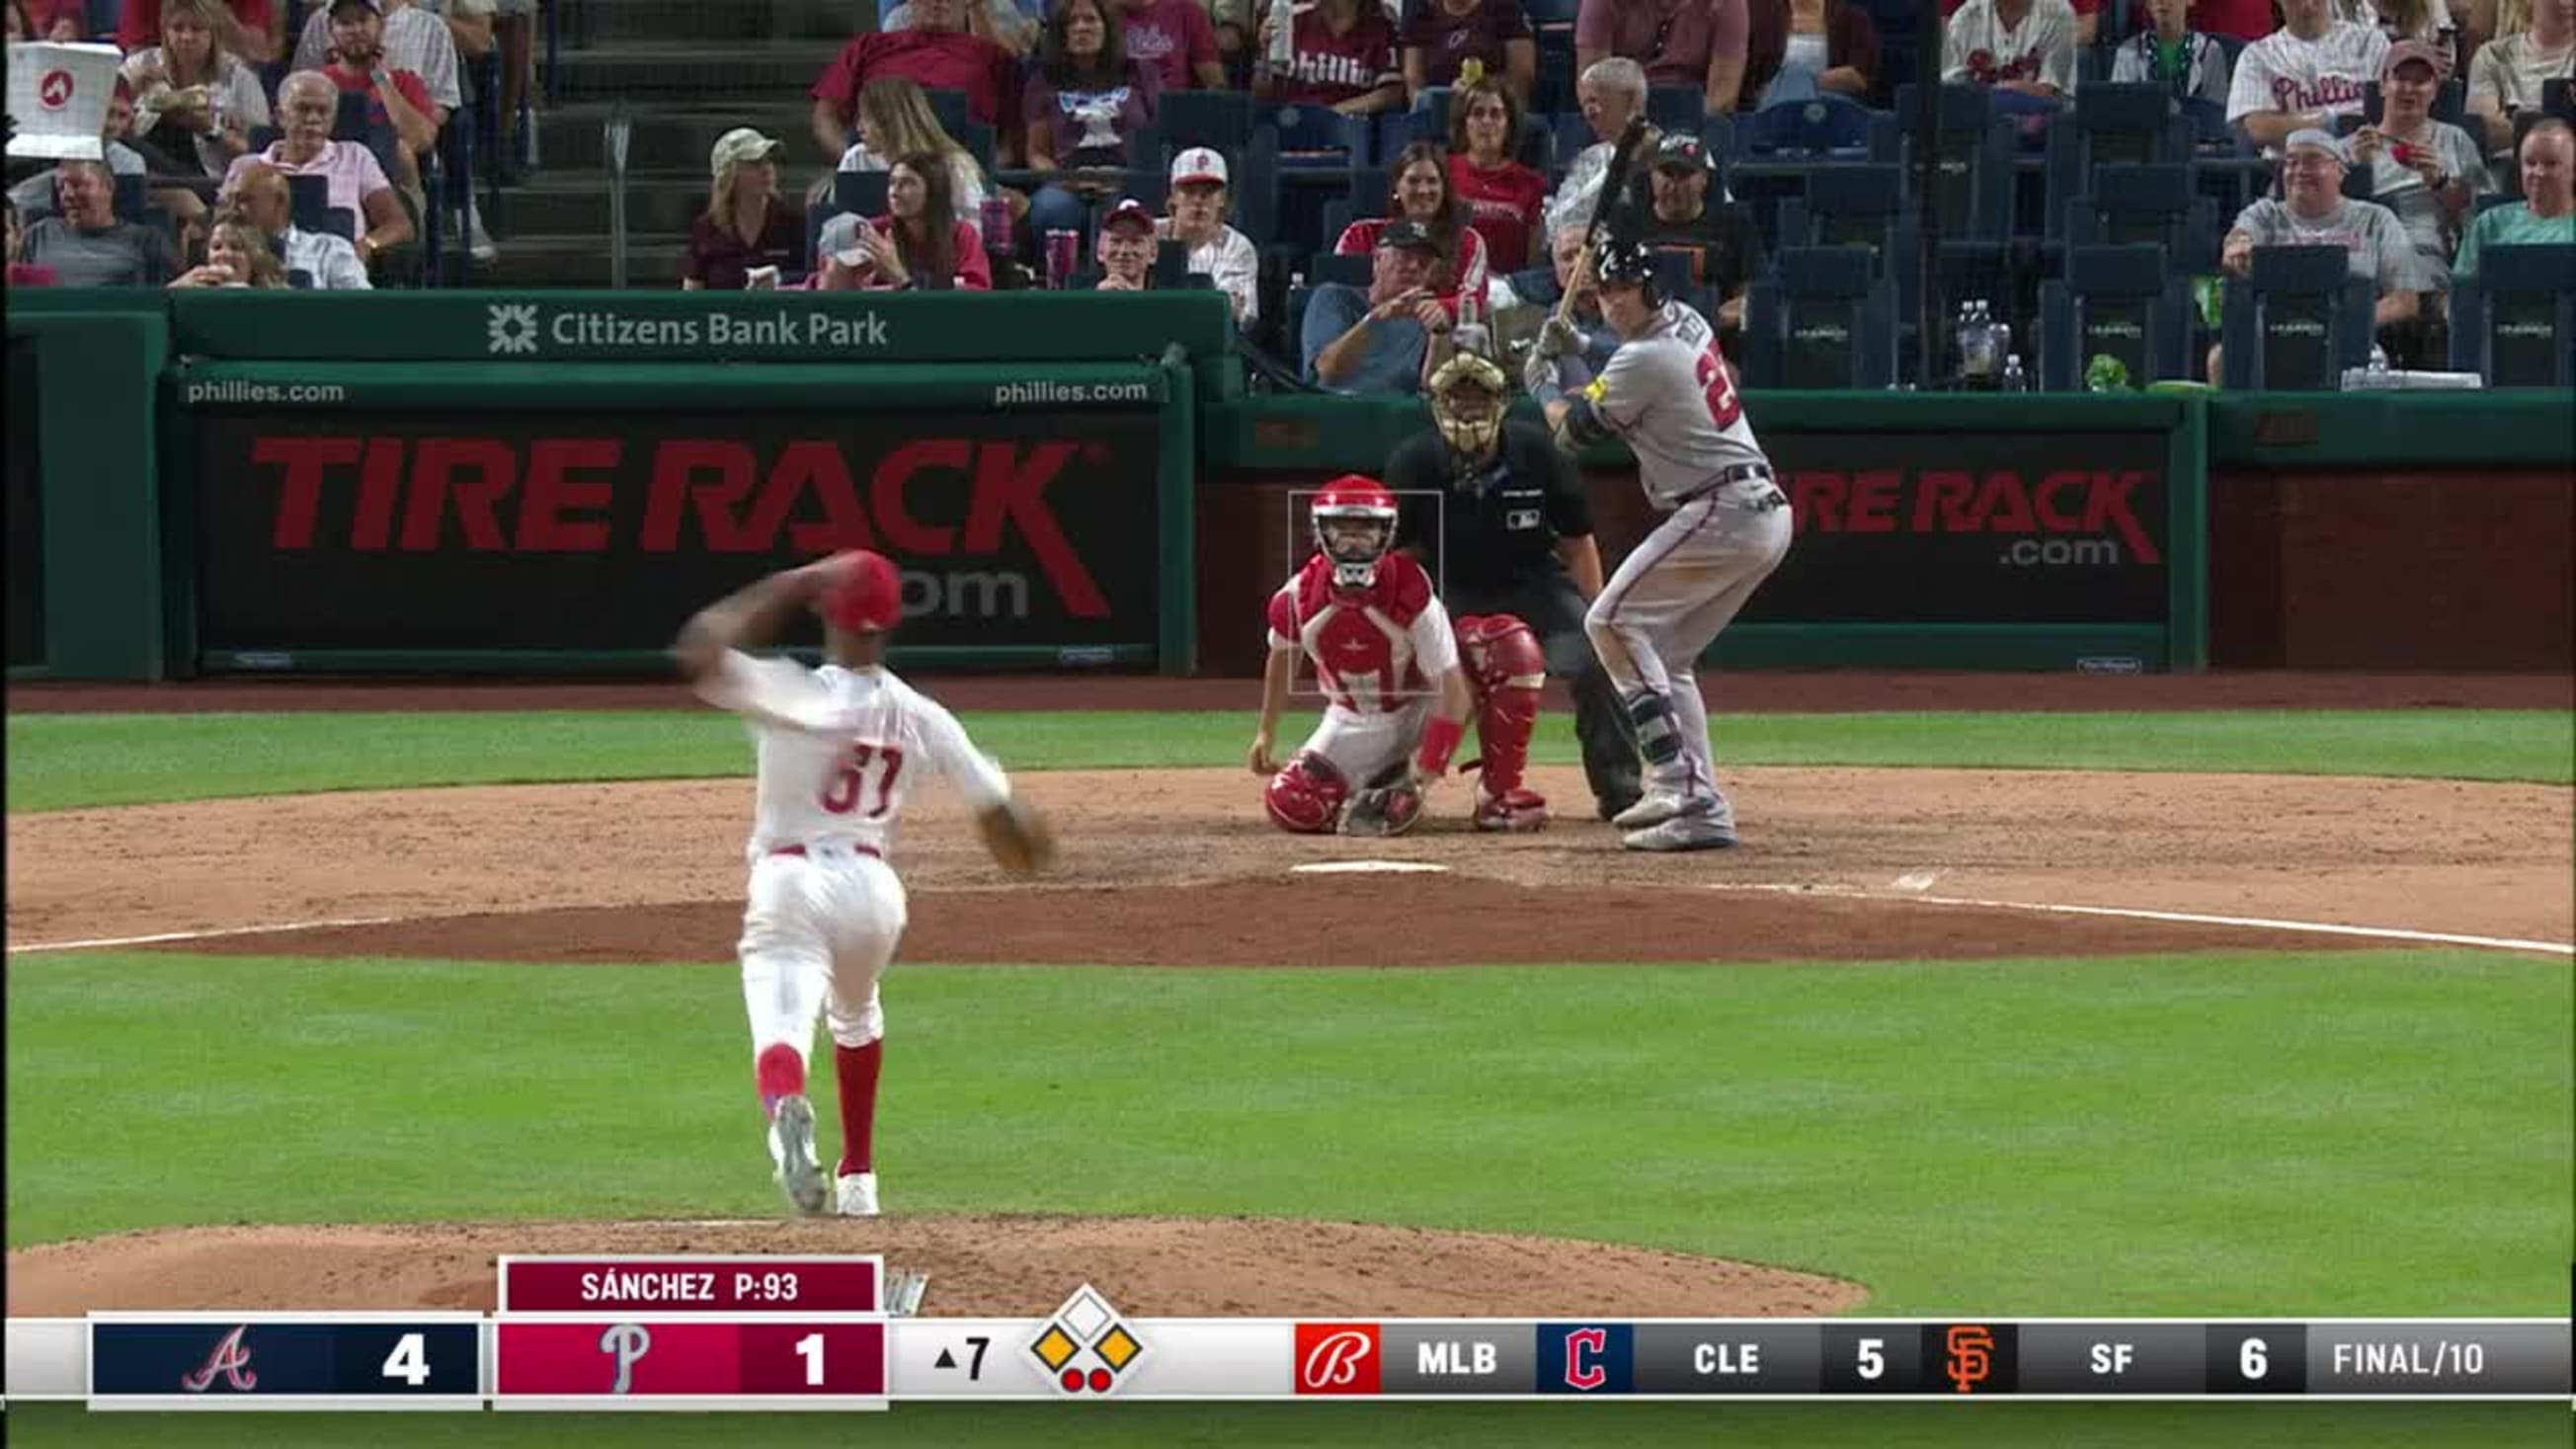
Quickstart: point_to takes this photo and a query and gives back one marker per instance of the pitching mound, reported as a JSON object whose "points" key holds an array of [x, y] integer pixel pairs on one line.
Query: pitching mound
{"points": [[995, 1267]]}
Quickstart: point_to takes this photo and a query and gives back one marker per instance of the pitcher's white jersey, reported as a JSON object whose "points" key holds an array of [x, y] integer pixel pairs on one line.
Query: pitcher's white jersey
{"points": [[1670, 398], [840, 748]]}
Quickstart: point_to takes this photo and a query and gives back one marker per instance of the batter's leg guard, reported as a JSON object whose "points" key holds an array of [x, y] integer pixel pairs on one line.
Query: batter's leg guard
{"points": [[1306, 798], [1659, 736]]}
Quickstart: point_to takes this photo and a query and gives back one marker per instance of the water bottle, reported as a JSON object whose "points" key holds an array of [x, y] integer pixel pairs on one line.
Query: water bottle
{"points": [[2015, 380], [1283, 39], [1469, 335], [2378, 361], [996, 215]]}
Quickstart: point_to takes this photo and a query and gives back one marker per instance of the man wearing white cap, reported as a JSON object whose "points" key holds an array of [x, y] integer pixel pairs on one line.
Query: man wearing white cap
{"points": [[841, 263], [1197, 204], [2313, 211]]}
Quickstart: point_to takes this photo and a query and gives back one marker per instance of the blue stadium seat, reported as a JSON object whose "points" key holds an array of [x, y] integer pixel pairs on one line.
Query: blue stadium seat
{"points": [[1353, 270], [1573, 134], [2159, 205], [1676, 108], [1976, 147], [861, 191], [1827, 321], [951, 107], [1219, 119], [2297, 322], [1370, 191], [1828, 127], [1858, 203], [2137, 124], [2120, 301], [2515, 325]]}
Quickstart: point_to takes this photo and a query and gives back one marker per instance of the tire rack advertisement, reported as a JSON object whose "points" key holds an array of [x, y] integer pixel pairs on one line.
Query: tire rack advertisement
{"points": [[582, 532], [2004, 528]]}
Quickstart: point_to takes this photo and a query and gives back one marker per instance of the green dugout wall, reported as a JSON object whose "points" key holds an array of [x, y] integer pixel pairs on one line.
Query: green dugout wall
{"points": [[551, 481]]}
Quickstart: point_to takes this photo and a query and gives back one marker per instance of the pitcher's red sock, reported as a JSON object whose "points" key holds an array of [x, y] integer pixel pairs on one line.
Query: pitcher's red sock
{"points": [[858, 1068], [781, 1073]]}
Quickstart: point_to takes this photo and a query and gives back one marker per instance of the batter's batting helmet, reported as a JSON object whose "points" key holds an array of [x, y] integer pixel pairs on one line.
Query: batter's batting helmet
{"points": [[1354, 521], [1622, 262], [866, 596]]}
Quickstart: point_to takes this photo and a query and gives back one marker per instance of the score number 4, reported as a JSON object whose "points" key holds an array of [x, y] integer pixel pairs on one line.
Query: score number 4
{"points": [[409, 1361]]}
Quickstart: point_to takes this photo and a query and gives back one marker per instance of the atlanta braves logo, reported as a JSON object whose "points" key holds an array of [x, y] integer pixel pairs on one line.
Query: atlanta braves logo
{"points": [[1583, 1349], [231, 1358], [630, 1342], [54, 89]]}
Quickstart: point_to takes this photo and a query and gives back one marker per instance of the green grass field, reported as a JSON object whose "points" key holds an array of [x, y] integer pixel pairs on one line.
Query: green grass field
{"points": [[2373, 1133]]}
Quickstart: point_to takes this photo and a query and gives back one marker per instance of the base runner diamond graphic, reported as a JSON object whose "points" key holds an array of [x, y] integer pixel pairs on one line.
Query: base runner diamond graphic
{"points": [[1086, 1345]]}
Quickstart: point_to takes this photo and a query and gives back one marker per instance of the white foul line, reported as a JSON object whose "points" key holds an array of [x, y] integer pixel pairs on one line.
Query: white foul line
{"points": [[2252, 923], [104, 942]]}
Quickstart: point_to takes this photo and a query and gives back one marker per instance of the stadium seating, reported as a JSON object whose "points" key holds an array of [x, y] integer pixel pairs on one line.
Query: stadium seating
{"points": [[2515, 325], [2297, 322], [1827, 321], [2118, 301]]}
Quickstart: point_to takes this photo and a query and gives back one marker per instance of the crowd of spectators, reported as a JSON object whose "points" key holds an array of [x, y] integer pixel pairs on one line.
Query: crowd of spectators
{"points": [[1057, 132], [211, 94]]}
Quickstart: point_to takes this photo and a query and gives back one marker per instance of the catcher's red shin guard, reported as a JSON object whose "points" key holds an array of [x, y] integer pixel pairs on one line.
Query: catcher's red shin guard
{"points": [[1508, 668], [1306, 797]]}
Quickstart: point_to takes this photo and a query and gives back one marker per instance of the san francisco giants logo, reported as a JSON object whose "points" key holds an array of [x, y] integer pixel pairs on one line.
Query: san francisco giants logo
{"points": [[1583, 1347], [231, 1358], [629, 1342], [1335, 1362], [1971, 1356]]}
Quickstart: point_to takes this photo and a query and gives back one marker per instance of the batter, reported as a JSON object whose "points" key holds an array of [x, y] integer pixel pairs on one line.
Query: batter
{"points": [[840, 747], [1667, 393]]}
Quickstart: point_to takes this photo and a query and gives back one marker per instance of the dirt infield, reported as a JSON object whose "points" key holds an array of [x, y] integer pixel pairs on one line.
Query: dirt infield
{"points": [[979, 1267]]}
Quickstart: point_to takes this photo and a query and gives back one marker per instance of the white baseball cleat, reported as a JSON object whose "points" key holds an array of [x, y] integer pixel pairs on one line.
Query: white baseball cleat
{"points": [[791, 1144], [859, 1195], [1652, 808], [1691, 830]]}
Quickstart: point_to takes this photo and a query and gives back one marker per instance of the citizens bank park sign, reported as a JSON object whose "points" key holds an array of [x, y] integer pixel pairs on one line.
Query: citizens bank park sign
{"points": [[536, 329]]}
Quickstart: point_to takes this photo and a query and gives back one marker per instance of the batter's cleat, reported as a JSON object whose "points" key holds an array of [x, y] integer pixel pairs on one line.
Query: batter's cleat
{"points": [[1652, 808], [1690, 830], [800, 1176], [859, 1195], [1514, 810]]}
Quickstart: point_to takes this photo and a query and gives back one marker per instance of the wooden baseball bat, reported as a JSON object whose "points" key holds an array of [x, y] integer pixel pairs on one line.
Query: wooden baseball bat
{"points": [[1614, 193]]}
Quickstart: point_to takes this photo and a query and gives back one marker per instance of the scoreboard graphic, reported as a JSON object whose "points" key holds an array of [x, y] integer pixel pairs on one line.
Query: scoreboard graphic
{"points": [[702, 1334]]}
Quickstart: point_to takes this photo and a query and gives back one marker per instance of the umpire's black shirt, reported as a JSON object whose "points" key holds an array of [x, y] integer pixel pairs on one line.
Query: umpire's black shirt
{"points": [[1495, 528]]}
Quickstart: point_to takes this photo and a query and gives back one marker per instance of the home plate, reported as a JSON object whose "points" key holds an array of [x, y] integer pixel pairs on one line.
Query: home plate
{"points": [[1363, 867]]}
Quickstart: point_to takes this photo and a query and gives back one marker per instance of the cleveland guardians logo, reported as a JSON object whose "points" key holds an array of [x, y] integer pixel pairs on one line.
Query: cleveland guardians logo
{"points": [[231, 1359], [1585, 1358], [1971, 1356], [1583, 1350], [1339, 1358], [628, 1343]]}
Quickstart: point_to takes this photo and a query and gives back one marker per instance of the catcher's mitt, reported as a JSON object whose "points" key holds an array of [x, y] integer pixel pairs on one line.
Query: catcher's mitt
{"points": [[1383, 810]]}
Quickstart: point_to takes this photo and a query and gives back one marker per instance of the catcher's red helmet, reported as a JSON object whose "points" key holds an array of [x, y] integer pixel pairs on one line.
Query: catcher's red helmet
{"points": [[866, 597], [1354, 522]]}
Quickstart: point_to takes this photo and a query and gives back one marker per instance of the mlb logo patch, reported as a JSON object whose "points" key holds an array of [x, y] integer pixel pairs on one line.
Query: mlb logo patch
{"points": [[1586, 1358]]}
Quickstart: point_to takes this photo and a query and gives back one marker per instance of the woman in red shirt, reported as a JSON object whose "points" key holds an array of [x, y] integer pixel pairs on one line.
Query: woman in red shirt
{"points": [[1420, 190], [919, 244], [1503, 196]]}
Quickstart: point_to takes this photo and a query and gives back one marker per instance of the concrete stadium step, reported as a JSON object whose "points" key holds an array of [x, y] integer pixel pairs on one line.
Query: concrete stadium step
{"points": [[672, 139], [575, 203], [606, 22], [582, 261], [642, 73]]}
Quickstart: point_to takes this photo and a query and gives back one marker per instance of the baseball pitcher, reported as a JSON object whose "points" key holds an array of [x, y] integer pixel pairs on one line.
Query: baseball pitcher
{"points": [[1668, 394], [839, 749], [1387, 661]]}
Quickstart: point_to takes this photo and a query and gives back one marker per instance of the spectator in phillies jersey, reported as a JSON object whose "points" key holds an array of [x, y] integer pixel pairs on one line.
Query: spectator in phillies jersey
{"points": [[2313, 211], [2190, 65], [1440, 37], [1421, 192], [2023, 46], [2303, 75], [1376, 341], [2088, 16], [938, 54], [1226, 256], [1833, 43], [1084, 102], [2536, 44], [1343, 56], [1679, 42], [2426, 171], [1177, 39], [1503, 196], [1724, 244]]}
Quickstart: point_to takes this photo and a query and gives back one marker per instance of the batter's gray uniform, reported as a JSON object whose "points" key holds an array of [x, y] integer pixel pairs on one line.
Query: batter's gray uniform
{"points": [[1668, 396]]}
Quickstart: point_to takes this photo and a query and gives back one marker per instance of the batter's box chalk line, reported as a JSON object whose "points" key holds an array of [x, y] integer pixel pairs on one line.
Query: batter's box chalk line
{"points": [[1368, 867], [2194, 918]]}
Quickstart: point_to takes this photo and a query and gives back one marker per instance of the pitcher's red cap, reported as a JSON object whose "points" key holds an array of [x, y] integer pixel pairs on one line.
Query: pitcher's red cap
{"points": [[867, 598]]}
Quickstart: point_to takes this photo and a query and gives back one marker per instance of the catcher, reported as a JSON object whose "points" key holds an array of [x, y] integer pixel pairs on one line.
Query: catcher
{"points": [[1388, 666], [1504, 522]]}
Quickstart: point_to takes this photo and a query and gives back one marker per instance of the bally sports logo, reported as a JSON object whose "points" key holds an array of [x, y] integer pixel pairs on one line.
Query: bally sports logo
{"points": [[1339, 1358]]}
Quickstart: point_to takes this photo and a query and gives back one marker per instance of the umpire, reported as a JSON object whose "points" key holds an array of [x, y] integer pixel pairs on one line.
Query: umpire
{"points": [[1504, 525]]}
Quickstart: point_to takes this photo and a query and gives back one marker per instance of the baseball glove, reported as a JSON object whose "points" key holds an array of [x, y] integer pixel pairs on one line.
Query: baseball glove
{"points": [[1383, 810]]}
